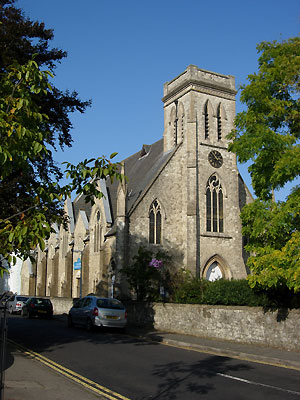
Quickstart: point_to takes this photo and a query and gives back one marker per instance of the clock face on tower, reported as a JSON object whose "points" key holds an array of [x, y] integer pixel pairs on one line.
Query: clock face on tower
{"points": [[215, 158]]}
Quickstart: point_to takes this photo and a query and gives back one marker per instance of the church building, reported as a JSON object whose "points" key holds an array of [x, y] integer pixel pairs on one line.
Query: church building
{"points": [[184, 195]]}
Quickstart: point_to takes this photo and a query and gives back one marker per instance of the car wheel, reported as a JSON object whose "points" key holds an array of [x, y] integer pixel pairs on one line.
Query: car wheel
{"points": [[70, 322], [89, 325]]}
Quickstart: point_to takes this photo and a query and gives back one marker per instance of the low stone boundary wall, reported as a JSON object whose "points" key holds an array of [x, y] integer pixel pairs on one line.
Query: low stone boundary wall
{"points": [[240, 324], [61, 305]]}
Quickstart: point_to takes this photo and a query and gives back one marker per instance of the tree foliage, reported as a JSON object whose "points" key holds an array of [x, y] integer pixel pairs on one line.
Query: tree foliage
{"points": [[23, 39], [26, 183], [147, 273], [34, 119], [268, 134]]}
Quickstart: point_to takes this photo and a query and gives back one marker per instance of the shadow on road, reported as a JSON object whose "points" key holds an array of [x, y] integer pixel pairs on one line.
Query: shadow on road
{"points": [[169, 379], [42, 335], [179, 378]]}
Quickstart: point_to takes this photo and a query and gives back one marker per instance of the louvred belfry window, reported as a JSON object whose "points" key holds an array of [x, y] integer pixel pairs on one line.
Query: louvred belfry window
{"points": [[206, 121], [155, 223], [214, 205]]}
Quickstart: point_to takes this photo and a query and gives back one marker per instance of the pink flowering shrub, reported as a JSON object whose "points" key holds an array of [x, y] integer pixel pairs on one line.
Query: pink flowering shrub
{"points": [[147, 274], [156, 263]]}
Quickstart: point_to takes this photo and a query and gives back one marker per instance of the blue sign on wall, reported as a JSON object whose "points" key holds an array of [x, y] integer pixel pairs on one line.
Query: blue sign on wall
{"points": [[77, 264]]}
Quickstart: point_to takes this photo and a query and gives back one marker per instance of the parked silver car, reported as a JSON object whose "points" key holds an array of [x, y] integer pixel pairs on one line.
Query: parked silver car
{"points": [[16, 303], [91, 311]]}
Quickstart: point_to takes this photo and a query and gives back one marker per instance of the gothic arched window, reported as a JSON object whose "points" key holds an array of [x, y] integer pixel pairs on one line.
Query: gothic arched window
{"points": [[214, 205], [173, 123], [208, 123], [97, 232], [180, 127], [155, 223], [206, 120], [219, 119]]}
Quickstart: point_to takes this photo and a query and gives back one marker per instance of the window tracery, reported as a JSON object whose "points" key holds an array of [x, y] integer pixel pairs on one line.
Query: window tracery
{"points": [[214, 205], [97, 232], [155, 223]]}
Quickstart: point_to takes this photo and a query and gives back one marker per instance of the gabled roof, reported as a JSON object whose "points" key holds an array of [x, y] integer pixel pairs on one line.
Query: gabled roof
{"points": [[79, 204], [141, 169]]}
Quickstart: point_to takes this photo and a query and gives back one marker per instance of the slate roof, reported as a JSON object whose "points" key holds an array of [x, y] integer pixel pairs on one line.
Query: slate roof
{"points": [[80, 205], [141, 169]]}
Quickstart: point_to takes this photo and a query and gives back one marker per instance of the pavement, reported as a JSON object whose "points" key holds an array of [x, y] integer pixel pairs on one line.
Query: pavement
{"points": [[30, 377]]}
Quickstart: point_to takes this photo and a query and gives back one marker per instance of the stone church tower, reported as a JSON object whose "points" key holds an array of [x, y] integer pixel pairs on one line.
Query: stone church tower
{"points": [[199, 113], [184, 195], [198, 191]]}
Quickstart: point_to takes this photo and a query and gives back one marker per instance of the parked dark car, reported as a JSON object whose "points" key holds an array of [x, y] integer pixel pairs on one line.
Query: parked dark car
{"points": [[16, 303], [91, 311], [37, 307]]}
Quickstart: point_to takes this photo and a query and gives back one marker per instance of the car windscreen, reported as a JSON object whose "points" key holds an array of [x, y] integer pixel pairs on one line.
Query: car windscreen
{"points": [[110, 303], [21, 298], [44, 302]]}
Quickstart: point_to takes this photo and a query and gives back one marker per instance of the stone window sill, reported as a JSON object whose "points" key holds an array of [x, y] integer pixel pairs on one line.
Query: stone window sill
{"points": [[216, 235]]}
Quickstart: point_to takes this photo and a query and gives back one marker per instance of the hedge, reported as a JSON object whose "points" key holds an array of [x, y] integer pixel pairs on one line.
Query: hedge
{"points": [[232, 292]]}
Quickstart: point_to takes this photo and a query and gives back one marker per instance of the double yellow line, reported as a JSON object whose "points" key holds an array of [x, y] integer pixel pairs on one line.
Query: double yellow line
{"points": [[95, 387]]}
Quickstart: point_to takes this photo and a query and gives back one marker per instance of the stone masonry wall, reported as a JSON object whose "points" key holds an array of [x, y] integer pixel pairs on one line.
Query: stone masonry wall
{"points": [[167, 189], [238, 324], [61, 305]]}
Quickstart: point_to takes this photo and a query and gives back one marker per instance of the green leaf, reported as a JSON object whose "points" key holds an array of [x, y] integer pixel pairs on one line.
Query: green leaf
{"points": [[20, 104], [11, 237], [37, 147]]}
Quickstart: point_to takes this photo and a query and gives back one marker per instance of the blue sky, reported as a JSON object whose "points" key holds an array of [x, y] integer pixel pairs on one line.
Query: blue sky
{"points": [[120, 53]]}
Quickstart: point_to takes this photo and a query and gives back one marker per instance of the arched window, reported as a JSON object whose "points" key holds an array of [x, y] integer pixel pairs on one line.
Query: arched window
{"points": [[173, 123], [208, 114], [97, 232], [180, 135], [214, 272], [219, 119], [155, 223], [214, 205], [206, 120]]}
